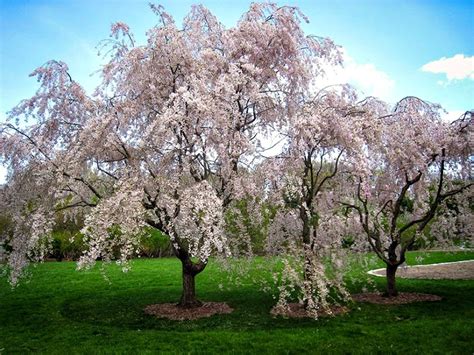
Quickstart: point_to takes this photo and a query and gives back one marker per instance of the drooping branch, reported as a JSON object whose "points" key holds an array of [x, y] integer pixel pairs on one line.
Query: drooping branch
{"points": [[333, 173], [397, 207], [53, 163]]}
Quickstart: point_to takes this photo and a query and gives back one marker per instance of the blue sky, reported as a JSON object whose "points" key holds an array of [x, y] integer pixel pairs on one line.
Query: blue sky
{"points": [[386, 42]]}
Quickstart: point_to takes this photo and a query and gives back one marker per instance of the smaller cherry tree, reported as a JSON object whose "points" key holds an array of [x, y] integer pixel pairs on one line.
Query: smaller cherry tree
{"points": [[324, 143], [414, 162]]}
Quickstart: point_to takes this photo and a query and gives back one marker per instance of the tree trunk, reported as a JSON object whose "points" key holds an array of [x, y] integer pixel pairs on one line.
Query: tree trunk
{"points": [[188, 296], [307, 270], [391, 281]]}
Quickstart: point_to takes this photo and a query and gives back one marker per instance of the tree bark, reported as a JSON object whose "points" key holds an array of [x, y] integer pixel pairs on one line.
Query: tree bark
{"points": [[188, 295], [307, 284], [391, 290]]}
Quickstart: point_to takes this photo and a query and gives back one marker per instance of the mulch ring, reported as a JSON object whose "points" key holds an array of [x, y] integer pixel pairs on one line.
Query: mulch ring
{"points": [[297, 310], [402, 298], [173, 312]]}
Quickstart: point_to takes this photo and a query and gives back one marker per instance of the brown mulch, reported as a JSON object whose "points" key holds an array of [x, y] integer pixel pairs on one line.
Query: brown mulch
{"points": [[297, 310], [454, 271], [173, 312], [402, 298]]}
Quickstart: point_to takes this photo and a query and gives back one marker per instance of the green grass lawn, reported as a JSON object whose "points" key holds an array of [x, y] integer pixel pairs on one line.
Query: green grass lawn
{"points": [[60, 310]]}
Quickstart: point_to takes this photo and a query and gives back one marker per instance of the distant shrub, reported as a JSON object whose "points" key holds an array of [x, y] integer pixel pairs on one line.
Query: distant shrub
{"points": [[67, 245], [6, 232], [154, 244]]}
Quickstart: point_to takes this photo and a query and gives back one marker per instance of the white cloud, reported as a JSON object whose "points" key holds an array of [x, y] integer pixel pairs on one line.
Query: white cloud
{"points": [[453, 115], [457, 67], [364, 76]]}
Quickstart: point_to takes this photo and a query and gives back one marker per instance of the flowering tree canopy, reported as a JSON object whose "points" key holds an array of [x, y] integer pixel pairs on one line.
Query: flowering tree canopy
{"points": [[174, 137], [415, 163], [162, 140], [324, 144]]}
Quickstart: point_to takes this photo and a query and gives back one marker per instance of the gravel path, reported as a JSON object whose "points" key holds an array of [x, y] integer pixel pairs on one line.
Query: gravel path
{"points": [[459, 270]]}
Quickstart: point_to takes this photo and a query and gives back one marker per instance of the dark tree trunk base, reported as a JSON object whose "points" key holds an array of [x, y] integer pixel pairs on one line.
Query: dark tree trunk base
{"points": [[391, 290], [189, 304], [188, 298]]}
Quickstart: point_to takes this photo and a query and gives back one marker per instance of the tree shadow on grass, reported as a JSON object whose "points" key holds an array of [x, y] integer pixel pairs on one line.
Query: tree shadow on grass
{"points": [[126, 310]]}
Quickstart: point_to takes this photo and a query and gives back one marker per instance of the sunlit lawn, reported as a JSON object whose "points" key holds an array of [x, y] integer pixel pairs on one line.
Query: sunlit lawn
{"points": [[61, 310]]}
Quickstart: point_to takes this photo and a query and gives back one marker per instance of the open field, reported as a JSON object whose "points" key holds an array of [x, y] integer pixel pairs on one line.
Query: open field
{"points": [[60, 310]]}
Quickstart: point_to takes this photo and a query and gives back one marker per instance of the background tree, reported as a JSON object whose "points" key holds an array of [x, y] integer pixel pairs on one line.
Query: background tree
{"points": [[162, 141], [415, 164]]}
